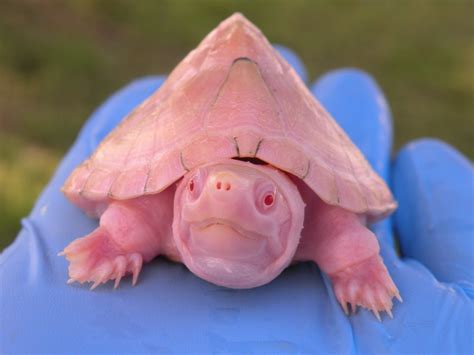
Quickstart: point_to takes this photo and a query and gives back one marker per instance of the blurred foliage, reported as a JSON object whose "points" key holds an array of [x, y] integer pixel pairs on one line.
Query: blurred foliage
{"points": [[59, 60]]}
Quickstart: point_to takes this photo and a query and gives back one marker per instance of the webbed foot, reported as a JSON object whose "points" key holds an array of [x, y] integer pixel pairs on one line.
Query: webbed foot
{"points": [[366, 284], [95, 258]]}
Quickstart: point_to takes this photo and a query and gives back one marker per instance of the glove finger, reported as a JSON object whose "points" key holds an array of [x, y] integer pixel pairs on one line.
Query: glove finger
{"points": [[293, 59], [358, 104], [433, 184]]}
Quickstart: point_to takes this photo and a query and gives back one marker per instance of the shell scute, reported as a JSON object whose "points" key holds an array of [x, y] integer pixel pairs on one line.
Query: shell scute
{"points": [[165, 170], [129, 183], [233, 96], [98, 181], [245, 98]]}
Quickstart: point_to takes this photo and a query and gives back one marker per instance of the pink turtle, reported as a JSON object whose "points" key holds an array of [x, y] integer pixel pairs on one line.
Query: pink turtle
{"points": [[233, 168]]}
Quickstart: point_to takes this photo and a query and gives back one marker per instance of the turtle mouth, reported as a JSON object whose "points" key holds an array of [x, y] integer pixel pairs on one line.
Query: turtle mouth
{"points": [[225, 239], [227, 254], [239, 230]]}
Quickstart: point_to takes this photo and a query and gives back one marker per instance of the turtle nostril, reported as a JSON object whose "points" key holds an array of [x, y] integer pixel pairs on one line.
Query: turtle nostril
{"points": [[226, 186]]}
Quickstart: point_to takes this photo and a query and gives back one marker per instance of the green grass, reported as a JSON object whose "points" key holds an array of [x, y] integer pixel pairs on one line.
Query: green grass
{"points": [[29, 168], [59, 60]]}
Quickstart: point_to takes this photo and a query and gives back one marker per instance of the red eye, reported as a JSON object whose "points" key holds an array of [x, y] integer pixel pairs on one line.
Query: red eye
{"points": [[191, 185], [265, 193], [268, 199]]}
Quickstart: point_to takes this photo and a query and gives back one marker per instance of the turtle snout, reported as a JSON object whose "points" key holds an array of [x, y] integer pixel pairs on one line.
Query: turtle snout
{"points": [[225, 184]]}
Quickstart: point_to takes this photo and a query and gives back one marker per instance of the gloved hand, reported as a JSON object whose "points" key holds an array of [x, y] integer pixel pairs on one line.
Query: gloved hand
{"points": [[171, 310]]}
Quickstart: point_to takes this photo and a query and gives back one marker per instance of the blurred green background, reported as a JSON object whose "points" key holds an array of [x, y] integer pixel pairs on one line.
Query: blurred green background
{"points": [[60, 59]]}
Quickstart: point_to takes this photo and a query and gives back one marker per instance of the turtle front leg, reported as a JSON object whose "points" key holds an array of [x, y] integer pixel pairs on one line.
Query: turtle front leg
{"points": [[348, 252], [130, 232], [97, 258]]}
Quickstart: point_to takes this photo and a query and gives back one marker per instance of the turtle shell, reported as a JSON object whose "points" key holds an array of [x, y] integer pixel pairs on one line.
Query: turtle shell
{"points": [[232, 96]]}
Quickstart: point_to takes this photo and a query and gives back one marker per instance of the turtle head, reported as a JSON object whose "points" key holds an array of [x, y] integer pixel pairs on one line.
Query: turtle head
{"points": [[237, 224]]}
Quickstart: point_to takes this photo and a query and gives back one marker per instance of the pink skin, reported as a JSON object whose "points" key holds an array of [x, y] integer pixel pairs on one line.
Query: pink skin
{"points": [[238, 225], [130, 232], [348, 252]]}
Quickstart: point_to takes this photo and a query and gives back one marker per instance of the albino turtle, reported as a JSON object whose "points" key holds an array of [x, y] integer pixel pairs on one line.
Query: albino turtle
{"points": [[233, 168]]}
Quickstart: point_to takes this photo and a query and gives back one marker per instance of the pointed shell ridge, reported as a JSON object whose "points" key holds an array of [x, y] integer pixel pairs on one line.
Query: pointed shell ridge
{"points": [[186, 115]]}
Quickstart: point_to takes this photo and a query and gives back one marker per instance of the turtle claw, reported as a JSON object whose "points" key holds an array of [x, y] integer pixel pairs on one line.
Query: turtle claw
{"points": [[96, 259], [345, 308], [102, 274], [377, 315], [97, 283], [366, 284], [117, 281], [136, 263], [120, 269], [398, 297]]}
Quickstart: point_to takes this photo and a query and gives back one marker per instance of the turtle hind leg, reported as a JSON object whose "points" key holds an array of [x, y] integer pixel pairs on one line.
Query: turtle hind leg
{"points": [[366, 284], [96, 258]]}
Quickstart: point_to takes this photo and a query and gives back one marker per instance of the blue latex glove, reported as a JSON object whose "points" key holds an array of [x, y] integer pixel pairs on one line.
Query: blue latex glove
{"points": [[171, 310]]}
